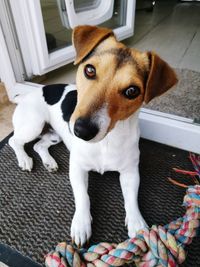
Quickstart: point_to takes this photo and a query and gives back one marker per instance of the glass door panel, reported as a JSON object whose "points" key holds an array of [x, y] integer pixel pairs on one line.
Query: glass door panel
{"points": [[119, 15], [57, 36], [82, 5]]}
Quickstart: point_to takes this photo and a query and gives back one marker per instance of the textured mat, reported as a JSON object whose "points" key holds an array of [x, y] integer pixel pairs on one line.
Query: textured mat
{"points": [[36, 208], [184, 99]]}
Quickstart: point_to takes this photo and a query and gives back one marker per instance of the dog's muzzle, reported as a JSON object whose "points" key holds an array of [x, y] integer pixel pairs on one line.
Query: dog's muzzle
{"points": [[85, 129]]}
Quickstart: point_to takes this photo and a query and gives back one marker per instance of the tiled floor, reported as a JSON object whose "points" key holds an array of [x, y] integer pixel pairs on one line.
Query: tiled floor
{"points": [[173, 31]]}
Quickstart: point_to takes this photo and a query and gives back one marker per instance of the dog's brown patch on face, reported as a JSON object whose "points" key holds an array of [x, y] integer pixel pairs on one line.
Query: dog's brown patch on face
{"points": [[116, 69], [123, 56], [86, 38], [120, 107]]}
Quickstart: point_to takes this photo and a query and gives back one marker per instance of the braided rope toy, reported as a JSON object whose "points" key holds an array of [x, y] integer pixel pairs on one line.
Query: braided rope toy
{"points": [[161, 246]]}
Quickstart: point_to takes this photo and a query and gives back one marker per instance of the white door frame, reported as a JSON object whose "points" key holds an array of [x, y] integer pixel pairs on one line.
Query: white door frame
{"points": [[7, 74], [11, 40], [170, 130], [96, 16]]}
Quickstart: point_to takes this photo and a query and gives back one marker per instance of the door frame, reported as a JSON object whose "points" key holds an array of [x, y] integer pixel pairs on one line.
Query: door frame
{"points": [[95, 16]]}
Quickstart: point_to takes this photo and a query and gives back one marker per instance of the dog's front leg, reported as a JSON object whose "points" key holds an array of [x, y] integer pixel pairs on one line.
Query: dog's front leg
{"points": [[81, 223], [129, 183]]}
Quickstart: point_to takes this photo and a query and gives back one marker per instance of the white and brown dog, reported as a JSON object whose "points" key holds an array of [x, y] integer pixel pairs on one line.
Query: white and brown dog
{"points": [[97, 119]]}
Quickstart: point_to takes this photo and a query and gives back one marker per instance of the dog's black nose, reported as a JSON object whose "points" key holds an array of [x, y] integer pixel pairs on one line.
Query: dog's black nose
{"points": [[85, 129]]}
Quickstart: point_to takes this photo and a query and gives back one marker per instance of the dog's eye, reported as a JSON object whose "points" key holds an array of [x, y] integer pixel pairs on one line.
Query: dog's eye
{"points": [[90, 71], [131, 92]]}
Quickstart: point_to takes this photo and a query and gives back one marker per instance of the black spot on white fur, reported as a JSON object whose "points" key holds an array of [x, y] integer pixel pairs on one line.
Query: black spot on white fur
{"points": [[53, 93], [68, 105], [54, 141]]}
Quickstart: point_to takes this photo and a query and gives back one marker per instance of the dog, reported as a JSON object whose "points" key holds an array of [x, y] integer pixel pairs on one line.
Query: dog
{"points": [[97, 119]]}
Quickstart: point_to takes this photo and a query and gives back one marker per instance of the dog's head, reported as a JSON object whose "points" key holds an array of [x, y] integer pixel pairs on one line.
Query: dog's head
{"points": [[112, 81]]}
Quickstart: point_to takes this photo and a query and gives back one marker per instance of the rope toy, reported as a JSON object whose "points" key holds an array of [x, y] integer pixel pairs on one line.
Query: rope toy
{"points": [[156, 246]]}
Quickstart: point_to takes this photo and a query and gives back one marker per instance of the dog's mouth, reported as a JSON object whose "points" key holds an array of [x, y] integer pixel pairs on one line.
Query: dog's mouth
{"points": [[93, 128]]}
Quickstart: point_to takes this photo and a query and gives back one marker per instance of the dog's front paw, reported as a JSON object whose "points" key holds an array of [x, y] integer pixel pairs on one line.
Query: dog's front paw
{"points": [[134, 225], [51, 165], [25, 163], [81, 228]]}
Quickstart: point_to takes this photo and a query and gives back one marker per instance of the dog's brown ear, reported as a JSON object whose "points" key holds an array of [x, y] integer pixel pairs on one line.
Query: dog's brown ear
{"points": [[85, 38], [161, 77]]}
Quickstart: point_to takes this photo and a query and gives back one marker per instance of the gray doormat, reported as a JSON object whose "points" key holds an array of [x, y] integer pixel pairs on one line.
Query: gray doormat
{"points": [[182, 100], [36, 208]]}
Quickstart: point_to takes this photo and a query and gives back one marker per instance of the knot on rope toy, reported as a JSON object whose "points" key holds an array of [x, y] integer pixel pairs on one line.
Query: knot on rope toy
{"points": [[155, 246]]}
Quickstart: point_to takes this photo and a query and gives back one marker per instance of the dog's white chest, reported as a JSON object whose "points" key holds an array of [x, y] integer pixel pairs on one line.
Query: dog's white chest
{"points": [[117, 151], [108, 156], [99, 157]]}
